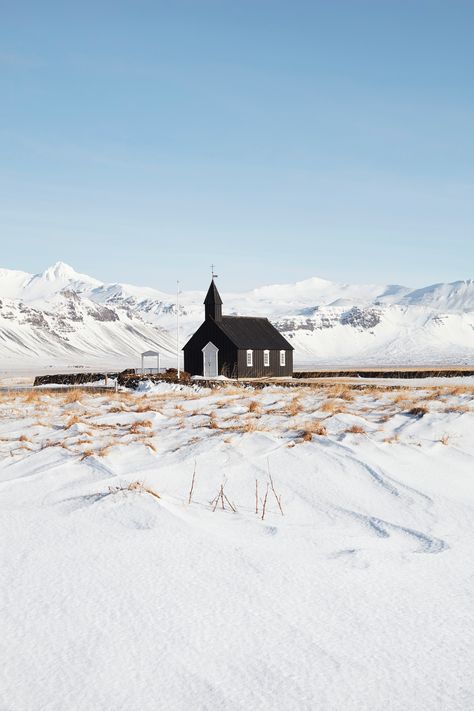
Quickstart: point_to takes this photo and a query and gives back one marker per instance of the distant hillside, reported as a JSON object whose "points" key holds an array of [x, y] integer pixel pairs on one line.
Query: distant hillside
{"points": [[61, 317]]}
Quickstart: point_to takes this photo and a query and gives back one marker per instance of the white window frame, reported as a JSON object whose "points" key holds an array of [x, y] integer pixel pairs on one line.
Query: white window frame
{"points": [[249, 358], [266, 358], [282, 358]]}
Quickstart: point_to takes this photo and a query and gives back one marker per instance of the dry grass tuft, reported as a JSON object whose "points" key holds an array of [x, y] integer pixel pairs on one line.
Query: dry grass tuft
{"points": [[87, 453], [32, 396], [435, 394], [221, 403], [342, 393], [135, 486], [249, 425], [80, 442], [24, 438], [418, 411], [457, 408], [445, 439], [72, 396], [139, 425], [401, 398], [50, 443], [313, 428], [458, 390], [332, 407], [356, 429], [74, 420], [254, 406], [213, 424], [294, 407]]}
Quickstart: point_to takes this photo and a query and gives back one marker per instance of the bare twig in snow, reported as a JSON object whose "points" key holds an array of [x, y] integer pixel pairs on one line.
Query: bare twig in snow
{"points": [[223, 499], [277, 498], [264, 502], [232, 506], [192, 484]]}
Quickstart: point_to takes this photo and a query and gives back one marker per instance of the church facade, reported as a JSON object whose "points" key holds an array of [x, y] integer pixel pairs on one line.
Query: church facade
{"points": [[236, 346]]}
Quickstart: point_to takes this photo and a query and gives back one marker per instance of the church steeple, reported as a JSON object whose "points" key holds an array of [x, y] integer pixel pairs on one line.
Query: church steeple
{"points": [[213, 303]]}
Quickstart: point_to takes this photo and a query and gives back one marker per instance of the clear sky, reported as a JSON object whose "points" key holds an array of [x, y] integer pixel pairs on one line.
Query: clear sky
{"points": [[142, 140]]}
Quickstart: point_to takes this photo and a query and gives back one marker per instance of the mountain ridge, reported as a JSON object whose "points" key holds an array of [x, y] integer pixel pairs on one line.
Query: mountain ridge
{"points": [[61, 316]]}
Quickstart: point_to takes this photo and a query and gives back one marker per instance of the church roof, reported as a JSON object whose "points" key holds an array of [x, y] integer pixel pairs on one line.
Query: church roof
{"points": [[253, 332], [213, 296]]}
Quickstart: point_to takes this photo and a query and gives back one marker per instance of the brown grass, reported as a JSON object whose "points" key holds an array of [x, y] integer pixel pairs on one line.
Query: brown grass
{"points": [[149, 444], [254, 406], [32, 396], [73, 396], [23, 438], [356, 429], [445, 439], [74, 420], [135, 486], [50, 443], [400, 398], [434, 395], [342, 393], [294, 407], [332, 407], [87, 453], [139, 425], [249, 425], [418, 411], [457, 408], [213, 424], [460, 390], [311, 428]]}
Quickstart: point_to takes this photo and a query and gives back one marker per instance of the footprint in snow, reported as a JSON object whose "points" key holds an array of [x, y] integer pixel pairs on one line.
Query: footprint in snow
{"points": [[385, 529], [353, 556]]}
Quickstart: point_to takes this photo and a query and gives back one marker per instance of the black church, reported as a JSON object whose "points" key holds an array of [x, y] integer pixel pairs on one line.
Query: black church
{"points": [[236, 346]]}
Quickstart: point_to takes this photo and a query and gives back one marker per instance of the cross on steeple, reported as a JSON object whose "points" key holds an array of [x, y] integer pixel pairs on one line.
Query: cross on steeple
{"points": [[213, 275]]}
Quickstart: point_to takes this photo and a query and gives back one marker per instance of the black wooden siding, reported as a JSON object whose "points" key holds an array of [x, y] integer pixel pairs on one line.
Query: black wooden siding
{"points": [[227, 356], [258, 370], [232, 362]]}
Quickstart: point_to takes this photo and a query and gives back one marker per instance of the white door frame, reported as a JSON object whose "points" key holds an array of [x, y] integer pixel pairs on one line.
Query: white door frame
{"points": [[210, 363]]}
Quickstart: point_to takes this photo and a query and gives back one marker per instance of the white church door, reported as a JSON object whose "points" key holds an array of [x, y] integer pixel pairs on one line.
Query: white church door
{"points": [[210, 355]]}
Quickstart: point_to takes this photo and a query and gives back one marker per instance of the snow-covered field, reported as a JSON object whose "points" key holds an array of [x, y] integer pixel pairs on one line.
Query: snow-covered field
{"points": [[117, 593]]}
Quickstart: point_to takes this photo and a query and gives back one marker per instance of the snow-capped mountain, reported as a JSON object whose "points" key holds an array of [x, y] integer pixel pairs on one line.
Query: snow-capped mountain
{"points": [[61, 317]]}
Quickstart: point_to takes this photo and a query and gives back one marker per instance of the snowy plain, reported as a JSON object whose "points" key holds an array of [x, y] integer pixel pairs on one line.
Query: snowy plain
{"points": [[120, 594]]}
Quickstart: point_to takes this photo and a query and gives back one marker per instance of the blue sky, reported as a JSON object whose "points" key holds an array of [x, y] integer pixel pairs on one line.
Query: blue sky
{"points": [[141, 141]]}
